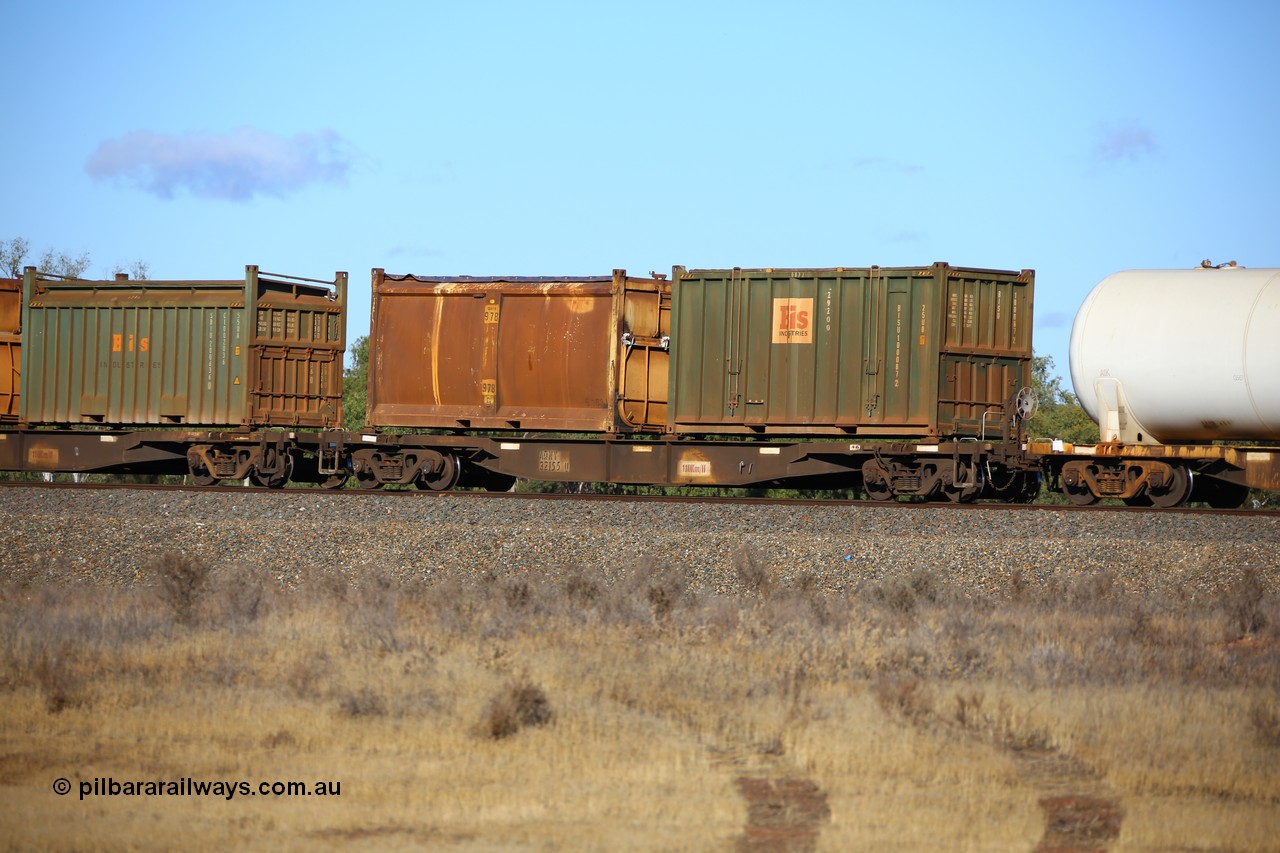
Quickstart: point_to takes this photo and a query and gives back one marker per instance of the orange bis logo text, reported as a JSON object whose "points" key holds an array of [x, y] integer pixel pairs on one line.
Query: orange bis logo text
{"points": [[792, 320], [135, 344]]}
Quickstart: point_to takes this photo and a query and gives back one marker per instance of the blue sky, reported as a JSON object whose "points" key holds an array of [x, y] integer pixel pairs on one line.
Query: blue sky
{"points": [[1077, 139]]}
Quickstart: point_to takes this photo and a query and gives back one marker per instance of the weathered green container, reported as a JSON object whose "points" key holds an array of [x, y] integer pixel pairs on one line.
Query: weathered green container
{"points": [[265, 350], [912, 351]]}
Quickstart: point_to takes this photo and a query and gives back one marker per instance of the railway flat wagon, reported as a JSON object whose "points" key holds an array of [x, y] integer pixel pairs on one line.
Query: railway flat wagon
{"points": [[10, 347], [937, 355], [263, 350], [920, 352], [578, 354]]}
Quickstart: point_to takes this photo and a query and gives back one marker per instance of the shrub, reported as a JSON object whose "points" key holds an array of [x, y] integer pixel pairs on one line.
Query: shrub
{"points": [[756, 576], [183, 582], [581, 589], [905, 696], [665, 589], [518, 705], [373, 618], [968, 710], [1244, 603], [363, 703], [902, 594], [59, 683], [1266, 724], [239, 593]]}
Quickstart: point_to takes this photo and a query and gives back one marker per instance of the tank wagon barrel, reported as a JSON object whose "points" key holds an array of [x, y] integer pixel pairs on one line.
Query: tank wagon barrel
{"points": [[1181, 371], [1138, 375]]}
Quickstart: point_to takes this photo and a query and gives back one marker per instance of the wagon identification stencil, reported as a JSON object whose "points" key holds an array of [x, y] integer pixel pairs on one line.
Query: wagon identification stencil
{"points": [[554, 461], [792, 320]]}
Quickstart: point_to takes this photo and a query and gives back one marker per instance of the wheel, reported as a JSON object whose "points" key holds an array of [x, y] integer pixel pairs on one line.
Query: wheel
{"points": [[1138, 500], [1022, 487], [1078, 493], [446, 477], [964, 494], [1030, 488], [875, 481], [364, 468], [272, 481], [199, 474], [879, 491], [334, 481], [365, 479], [1175, 492]]}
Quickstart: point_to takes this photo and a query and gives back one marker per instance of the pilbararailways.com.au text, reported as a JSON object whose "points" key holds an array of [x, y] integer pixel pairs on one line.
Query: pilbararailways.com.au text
{"points": [[188, 787]]}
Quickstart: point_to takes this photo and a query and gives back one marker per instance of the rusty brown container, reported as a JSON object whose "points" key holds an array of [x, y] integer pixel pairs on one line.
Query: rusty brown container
{"points": [[10, 375], [10, 346], [10, 306], [263, 350], [909, 352], [581, 354]]}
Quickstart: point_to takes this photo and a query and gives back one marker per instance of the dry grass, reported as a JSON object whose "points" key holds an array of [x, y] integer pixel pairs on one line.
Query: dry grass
{"points": [[624, 709]]}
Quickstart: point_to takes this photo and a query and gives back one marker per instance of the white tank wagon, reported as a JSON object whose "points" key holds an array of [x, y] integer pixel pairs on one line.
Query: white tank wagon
{"points": [[1166, 356], [1181, 371]]}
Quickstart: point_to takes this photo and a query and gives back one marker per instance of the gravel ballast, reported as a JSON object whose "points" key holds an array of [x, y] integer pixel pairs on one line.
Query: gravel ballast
{"points": [[110, 536]]}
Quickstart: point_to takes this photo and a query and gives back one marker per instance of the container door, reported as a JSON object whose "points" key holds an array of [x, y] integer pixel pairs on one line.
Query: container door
{"points": [[777, 350], [10, 371], [644, 358], [781, 375], [898, 340], [985, 348], [297, 339]]}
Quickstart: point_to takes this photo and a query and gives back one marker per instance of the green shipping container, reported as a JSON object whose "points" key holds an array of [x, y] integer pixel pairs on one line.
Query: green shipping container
{"points": [[265, 350], [909, 352]]}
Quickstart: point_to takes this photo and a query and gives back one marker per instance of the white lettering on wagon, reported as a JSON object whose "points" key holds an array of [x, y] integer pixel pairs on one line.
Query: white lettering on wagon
{"points": [[694, 468]]}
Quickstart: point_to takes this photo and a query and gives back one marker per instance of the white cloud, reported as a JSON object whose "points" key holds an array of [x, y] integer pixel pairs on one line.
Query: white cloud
{"points": [[233, 166]]}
